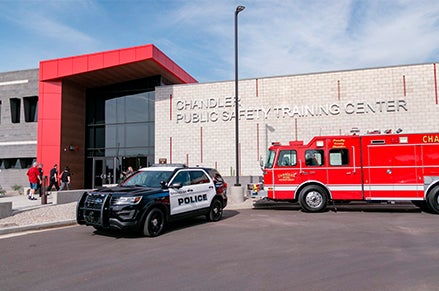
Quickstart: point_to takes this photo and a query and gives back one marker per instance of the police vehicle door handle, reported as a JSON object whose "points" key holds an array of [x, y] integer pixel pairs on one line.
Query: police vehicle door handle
{"points": [[210, 187], [190, 190]]}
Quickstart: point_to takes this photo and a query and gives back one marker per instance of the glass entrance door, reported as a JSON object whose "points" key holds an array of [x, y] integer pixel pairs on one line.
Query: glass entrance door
{"points": [[105, 171]]}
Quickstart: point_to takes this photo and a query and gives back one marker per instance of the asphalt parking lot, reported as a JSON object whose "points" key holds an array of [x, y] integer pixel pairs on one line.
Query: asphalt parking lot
{"points": [[271, 247]]}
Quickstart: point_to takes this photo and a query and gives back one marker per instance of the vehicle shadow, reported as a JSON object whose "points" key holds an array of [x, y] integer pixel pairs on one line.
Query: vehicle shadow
{"points": [[362, 206], [170, 226]]}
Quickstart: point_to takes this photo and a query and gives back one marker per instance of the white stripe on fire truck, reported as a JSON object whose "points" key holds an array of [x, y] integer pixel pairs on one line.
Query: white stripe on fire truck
{"points": [[357, 187]]}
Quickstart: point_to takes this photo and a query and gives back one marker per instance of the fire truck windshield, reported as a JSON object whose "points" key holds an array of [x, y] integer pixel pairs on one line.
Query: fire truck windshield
{"points": [[270, 159]]}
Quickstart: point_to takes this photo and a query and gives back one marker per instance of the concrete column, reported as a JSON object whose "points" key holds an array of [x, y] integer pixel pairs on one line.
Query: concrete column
{"points": [[5, 209], [236, 194]]}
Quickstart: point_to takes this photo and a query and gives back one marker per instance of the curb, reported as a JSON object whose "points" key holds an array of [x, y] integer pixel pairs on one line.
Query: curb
{"points": [[14, 229]]}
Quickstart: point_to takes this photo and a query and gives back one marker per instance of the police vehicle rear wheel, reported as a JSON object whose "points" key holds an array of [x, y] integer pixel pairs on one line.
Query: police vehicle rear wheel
{"points": [[433, 200], [313, 199], [154, 223], [216, 211]]}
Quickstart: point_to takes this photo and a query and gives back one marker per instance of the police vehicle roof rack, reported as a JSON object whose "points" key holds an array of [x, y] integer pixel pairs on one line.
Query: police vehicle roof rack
{"points": [[170, 165]]}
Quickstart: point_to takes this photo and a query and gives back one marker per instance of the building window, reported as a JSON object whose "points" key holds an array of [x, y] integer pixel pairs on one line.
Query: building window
{"points": [[30, 108], [15, 163], [15, 110]]}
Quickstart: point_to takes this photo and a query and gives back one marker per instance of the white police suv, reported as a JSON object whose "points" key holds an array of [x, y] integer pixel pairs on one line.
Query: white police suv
{"points": [[152, 196]]}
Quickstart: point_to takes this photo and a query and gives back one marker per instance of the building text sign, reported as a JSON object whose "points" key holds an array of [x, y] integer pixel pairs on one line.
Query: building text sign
{"points": [[223, 109]]}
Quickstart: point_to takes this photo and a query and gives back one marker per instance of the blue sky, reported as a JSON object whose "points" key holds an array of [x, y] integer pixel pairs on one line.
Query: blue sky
{"points": [[277, 37]]}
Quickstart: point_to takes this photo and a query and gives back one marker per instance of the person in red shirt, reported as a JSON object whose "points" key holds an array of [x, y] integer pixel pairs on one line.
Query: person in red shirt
{"points": [[34, 179]]}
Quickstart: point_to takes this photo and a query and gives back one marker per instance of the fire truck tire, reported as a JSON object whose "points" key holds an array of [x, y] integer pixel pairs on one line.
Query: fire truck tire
{"points": [[422, 205], [154, 223], [433, 200], [313, 199], [216, 211]]}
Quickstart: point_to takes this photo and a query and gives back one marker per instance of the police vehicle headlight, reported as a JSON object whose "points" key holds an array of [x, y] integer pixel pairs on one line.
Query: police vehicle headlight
{"points": [[128, 200]]}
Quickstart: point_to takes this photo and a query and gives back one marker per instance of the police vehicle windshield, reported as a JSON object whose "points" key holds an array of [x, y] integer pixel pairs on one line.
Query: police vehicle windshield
{"points": [[150, 179]]}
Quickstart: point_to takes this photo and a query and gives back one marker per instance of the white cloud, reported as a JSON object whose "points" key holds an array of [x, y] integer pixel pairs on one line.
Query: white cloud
{"points": [[275, 37]]}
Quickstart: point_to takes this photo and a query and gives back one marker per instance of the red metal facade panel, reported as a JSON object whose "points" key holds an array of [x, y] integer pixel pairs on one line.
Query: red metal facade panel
{"points": [[49, 123], [52, 73], [80, 64], [65, 66]]}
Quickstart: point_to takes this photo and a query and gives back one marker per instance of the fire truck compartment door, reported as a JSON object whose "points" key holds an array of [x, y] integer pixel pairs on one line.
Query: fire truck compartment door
{"points": [[391, 172]]}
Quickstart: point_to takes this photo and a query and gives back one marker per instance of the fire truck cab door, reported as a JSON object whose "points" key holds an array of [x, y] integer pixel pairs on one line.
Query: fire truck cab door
{"points": [[392, 172], [344, 171]]}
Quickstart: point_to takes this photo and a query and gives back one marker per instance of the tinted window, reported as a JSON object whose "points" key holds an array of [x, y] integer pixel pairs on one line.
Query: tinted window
{"points": [[287, 158], [314, 158], [215, 175], [338, 157], [15, 110], [270, 159], [199, 177], [183, 178], [148, 179]]}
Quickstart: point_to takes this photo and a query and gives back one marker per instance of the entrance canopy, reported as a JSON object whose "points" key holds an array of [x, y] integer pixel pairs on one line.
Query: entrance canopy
{"points": [[116, 66], [62, 95]]}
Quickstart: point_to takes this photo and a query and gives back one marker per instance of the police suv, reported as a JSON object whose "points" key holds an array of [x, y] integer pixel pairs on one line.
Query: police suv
{"points": [[152, 196]]}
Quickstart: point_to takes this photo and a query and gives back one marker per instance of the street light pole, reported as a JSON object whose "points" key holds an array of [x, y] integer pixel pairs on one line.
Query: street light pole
{"points": [[238, 9]]}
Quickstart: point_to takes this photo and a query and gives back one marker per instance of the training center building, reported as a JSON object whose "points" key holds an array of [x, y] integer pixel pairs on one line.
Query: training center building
{"points": [[100, 113]]}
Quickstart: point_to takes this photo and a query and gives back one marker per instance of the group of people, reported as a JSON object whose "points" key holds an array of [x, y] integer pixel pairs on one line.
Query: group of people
{"points": [[35, 176]]}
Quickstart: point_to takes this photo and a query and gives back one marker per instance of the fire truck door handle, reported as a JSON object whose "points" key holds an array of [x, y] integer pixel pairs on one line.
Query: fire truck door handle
{"points": [[353, 152], [389, 171]]}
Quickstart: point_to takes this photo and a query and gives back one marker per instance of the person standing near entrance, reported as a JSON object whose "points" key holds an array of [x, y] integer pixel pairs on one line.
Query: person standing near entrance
{"points": [[53, 178], [65, 179], [33, 175]]}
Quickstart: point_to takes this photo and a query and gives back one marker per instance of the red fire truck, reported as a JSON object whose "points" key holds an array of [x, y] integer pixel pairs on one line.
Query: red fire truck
{"points": [[381, 167]]}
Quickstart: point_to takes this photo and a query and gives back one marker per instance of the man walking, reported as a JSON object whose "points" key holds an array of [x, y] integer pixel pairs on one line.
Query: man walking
{"points": [[65, 179], [53, 178], [34, 179]]}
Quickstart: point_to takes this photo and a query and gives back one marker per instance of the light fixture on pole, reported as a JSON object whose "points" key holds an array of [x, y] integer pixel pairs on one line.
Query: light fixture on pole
{"points": [[238, 9]]}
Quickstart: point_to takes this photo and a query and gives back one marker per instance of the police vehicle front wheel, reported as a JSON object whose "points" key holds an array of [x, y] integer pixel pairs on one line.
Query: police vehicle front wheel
{"points": [[215, 211], [154, 223]]}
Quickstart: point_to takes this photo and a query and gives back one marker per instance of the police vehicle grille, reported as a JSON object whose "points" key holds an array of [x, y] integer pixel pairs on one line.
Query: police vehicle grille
{"points": [[94, 201]]}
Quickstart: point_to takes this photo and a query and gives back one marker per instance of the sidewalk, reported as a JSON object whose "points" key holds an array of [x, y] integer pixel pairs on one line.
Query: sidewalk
{"points": [[32, 215]]}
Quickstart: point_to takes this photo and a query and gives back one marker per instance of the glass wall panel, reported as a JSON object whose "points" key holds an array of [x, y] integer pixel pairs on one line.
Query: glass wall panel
{"points": [[120, 122]]}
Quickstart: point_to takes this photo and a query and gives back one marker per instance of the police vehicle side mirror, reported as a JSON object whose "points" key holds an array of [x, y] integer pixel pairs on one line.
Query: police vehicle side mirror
{"points": [[176, 185], [163, 184]]}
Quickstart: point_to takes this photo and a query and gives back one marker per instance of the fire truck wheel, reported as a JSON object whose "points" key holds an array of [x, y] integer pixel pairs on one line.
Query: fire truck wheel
{"points": [[422, 205], [313, 199], [216, 211], [154, 223], [433, 200]]}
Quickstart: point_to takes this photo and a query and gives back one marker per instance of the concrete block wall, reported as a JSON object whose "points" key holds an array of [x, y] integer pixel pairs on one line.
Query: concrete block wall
{"points": [[195, 123], [17, 140]]}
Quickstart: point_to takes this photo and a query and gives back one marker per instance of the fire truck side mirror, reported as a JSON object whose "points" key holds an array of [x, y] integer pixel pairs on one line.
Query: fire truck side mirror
{"points": [[261, 162]]}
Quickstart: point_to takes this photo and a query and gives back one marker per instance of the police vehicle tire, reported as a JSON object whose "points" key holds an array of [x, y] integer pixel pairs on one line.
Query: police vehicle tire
{"points": [[433, 200], [313, 199], [154, 223], [98, 228], [215, 211]]}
